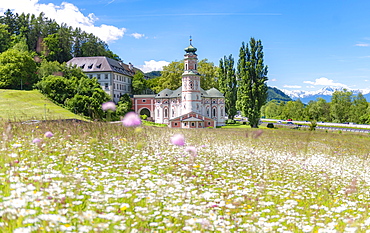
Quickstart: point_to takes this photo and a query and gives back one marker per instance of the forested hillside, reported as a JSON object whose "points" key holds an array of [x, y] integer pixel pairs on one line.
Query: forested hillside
{"points": [[48, 39]]}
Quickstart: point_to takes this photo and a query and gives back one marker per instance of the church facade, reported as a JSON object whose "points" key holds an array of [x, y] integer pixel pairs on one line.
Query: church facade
{"points": [[189, 106]]}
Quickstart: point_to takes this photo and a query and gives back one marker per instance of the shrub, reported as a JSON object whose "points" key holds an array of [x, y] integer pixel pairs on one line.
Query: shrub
{"points": [[143, 117], [230, 121], [312, 125]]}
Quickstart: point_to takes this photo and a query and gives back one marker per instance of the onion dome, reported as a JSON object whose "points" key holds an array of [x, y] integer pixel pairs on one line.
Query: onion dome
{"points": [[190, 48]]}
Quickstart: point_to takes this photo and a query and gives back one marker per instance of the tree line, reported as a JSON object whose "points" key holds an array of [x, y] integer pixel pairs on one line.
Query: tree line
{"points": [[48, 39], [33, 54], [344, 107]]}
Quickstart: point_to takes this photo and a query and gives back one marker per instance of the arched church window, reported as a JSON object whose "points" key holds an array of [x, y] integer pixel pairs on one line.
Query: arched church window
{"points": [[165, 112], [214, 112]]}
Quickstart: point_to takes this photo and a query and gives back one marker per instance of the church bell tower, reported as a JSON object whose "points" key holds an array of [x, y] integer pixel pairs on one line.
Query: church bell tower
{"points": [[191, 95]]}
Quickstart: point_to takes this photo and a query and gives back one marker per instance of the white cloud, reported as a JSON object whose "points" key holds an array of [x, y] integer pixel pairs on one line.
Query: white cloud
{"points": [[292, 86], [65, 13], [325, 82], [273, 80], [153, 65], [362, 45], [137, 35]]}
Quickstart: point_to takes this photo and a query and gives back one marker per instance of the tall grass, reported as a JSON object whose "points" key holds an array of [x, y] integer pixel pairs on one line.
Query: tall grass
{"points": [[101, 177]]}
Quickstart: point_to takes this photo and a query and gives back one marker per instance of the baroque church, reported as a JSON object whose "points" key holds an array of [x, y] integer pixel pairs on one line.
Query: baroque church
{"points": [[189, 106]]}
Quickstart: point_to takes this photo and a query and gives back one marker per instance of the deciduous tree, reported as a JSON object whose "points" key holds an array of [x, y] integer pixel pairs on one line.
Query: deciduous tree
{"points": [[340, 106], [138, 83], [17, 70], [252, 77], [227, 84]]}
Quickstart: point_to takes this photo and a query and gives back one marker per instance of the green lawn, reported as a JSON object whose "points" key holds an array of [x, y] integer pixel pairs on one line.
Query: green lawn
{"points": [[17, 105]]}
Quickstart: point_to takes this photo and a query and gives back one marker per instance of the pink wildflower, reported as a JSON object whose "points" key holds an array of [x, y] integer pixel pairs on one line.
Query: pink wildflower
{"points": [[49, 134], [109, 106], [192, 150], [131, 119], [178, 140], [36, 140]]}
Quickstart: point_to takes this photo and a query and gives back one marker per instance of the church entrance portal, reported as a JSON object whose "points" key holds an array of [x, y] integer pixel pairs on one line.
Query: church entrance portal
{"points": [[145, 111]]}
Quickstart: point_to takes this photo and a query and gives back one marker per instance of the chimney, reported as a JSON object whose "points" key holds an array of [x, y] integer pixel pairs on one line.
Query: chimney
{"points": [[130, 66]]}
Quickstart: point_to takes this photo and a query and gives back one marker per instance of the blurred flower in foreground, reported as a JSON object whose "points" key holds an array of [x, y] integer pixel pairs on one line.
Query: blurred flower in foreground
{"points": [[192, 150], [17, 145], [49, 134], [109, 106], [131, 119], [36, 140], [178, 140]]}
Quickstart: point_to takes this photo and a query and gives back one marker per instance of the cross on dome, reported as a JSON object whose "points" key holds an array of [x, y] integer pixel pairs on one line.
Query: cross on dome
{"points": [[190, 48]]}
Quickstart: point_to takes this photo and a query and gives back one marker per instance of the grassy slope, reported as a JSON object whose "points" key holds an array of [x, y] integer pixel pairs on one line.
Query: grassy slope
{"points": [[16, 105]]}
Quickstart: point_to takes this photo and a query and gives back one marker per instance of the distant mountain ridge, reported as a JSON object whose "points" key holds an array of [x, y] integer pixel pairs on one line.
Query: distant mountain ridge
{"points": [[275, 94], [325, 93]]}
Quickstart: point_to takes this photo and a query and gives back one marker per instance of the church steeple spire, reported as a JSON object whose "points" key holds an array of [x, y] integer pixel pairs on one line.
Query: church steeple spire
{"points": [[190, 48], [191, 82]]}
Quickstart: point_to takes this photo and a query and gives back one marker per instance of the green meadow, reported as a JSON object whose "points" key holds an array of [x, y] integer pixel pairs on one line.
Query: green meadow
{"points": [[17, 105], [100, 177]]}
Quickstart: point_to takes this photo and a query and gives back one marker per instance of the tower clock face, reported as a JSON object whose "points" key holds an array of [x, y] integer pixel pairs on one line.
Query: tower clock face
{"points": [[191, 85]]}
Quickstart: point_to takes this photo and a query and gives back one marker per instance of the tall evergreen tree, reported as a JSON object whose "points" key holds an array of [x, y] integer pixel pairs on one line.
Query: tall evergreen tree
{"points": [[227, 84], [252, 77]]}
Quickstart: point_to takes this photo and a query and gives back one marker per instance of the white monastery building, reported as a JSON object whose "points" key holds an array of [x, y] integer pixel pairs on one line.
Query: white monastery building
{"points": [[189, 106], [114, 77]]}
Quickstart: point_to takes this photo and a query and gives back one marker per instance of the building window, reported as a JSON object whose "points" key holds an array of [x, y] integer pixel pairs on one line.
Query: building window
{"points": [[98, 76], [106, 85], [90, 76], [106, 76], [175, 123], [209, 123], [185, 124], [214, 112], [165, 112], [200, 124], [144, 101], [192, 124]]}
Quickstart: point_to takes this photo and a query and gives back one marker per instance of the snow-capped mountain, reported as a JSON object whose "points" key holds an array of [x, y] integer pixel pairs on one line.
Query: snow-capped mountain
{"points": [[325, 93]]}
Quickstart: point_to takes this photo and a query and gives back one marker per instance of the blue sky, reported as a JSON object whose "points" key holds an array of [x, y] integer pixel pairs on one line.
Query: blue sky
{"points": [[307, 44]]}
